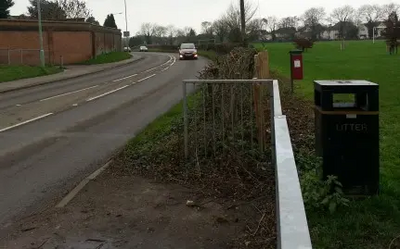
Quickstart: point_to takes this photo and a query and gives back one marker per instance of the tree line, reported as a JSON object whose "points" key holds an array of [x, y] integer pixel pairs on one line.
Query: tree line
{"points": [[312, 23]]}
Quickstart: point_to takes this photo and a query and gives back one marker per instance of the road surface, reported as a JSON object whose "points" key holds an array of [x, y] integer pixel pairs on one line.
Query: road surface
{"points": [[54, 135]]}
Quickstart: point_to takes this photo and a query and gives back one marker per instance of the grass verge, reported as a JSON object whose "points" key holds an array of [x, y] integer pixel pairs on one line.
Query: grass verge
{"points": [[373, 223], [10, 73], [233, 172], [108, 58]]}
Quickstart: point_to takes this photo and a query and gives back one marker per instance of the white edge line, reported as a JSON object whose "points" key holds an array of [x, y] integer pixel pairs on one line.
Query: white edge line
{"points": [[148, 77], [121, 79], [26, 122], [165, 69], [81, 185], [107, 93], [68, 93]]}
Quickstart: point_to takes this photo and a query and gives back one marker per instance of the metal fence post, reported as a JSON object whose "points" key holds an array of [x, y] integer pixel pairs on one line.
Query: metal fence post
{"points": [[61, 62], [185, 119]]}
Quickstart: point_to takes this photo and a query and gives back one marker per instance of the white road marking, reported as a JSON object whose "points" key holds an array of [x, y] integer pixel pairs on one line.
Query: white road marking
{"points": [[68, 93], [148, 77], [165, 69], [121, 79], [74, 105], [107, 93], [25, 122], [171, 59], [81, 185]]}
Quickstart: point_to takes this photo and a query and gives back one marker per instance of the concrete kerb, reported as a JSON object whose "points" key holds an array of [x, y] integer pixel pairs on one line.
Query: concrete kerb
{"points": [[116, 65]]}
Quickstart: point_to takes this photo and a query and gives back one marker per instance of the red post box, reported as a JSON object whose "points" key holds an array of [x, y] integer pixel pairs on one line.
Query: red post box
{"points": [[296, 66], [296, 62]]}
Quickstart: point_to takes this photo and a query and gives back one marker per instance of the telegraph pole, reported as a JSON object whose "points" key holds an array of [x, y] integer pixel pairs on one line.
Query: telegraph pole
{"points": [[41, 53], [243, 22]]}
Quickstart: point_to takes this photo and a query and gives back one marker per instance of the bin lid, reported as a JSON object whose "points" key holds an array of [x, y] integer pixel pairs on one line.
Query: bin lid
{"points": [[345, 83], [295, 51]]}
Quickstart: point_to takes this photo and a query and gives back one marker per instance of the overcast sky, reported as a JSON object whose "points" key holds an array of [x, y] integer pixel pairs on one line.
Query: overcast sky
{"points": [[191, 13]]}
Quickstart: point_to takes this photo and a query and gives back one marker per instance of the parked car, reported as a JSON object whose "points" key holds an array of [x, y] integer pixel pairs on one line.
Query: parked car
{"points": [[187, 51], [127, 49], [143, 49]]}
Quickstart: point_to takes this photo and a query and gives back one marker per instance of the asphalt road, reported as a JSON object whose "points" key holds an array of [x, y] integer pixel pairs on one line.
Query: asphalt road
{"points": [[53, 136]]}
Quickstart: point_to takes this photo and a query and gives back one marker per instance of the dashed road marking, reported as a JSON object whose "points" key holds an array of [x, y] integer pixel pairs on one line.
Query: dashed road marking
{"points": [[148, 77], [121, 79], [107, 93], [26, 122], [69, 93]]}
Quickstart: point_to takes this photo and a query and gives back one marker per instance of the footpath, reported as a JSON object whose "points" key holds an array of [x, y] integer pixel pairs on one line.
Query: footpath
{"points": [[118, 210], [71, 71]]}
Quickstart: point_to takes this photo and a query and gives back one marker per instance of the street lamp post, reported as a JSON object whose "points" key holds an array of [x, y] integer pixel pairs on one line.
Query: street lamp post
{"points": [[126, 26], [126, 17], [41, 53]]}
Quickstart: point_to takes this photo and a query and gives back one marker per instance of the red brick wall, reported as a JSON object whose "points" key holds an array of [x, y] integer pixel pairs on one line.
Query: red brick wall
{"points": [[107, 42], [73, 46], [73, 41]]}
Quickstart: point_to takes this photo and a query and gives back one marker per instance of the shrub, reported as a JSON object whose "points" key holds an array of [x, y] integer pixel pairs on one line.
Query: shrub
{"points": [[303, 43]]}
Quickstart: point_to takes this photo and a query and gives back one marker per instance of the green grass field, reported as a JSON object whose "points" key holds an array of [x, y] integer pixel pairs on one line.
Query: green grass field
{"points": [[375, 222], [10, 73], [108, 58]]}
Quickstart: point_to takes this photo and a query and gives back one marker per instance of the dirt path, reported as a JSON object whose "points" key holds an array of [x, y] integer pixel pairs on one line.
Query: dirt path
{"points": [[117, 211]]}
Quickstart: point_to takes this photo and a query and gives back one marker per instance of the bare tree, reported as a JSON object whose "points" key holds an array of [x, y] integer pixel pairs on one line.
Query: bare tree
{"points": [[371, 15], [206, 27], [75, 8], [289, 22], [186, 30], [255, 29], [343, 16], [272, 25], [221, 28], [148, 31], [160, 31], [233, 16], [313, 19], [389, 9], [171, 33]]}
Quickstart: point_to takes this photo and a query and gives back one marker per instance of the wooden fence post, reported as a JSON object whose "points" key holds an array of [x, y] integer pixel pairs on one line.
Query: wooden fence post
{"points": [[261, 72]]}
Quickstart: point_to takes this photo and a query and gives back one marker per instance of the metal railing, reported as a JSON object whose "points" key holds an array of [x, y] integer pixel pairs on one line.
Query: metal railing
{"points": [[292, 226], [29, 57]]}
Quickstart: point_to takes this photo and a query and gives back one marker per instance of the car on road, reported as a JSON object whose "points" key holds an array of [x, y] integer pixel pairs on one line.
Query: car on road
{"points": [[143, 49], [127, 49], [187, 51]]}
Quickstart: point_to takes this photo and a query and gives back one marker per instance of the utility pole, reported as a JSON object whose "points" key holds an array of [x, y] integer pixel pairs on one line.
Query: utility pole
{"points": [[41, 53], [243, 22]]}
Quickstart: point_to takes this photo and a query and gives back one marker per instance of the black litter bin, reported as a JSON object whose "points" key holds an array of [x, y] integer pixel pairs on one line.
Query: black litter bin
{"points": [[347, 133]]}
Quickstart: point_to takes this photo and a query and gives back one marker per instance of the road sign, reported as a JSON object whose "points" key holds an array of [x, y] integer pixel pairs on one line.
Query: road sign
{"points": [[127, 34]]}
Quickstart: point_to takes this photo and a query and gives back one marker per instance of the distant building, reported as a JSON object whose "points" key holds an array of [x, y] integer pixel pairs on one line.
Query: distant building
{"points": [[364, 34]]}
